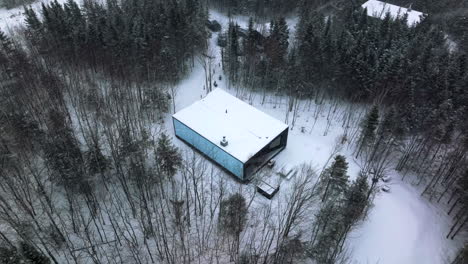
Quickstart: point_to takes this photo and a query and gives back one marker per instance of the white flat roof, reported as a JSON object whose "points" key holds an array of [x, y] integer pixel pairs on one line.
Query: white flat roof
{"points": [[379, 9], [219, 114]]}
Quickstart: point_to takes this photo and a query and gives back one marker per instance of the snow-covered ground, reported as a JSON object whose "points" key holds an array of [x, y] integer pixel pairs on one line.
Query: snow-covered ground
{"points": [[402, 227]]}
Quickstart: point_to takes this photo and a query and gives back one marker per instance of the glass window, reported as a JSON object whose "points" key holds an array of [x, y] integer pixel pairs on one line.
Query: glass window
{"points": [[275, 143]]}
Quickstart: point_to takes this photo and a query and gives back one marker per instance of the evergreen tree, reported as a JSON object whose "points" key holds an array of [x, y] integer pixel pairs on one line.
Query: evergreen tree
{"points": [[139, 40], [233, 214], [368, 129], [9, 256], [63, 154], [96, 162], [355, 200], [168, 157], [327, 229], [250, 42], [233, 52], [32, 254], [277, 42], [335, 178]]}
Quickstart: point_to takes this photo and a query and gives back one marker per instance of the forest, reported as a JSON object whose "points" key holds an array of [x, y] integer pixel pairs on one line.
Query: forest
{"points": [[90, 173]]}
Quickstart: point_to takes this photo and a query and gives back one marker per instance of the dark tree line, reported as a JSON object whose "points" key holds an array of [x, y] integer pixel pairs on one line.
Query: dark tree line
{"points": [[142, 40]]}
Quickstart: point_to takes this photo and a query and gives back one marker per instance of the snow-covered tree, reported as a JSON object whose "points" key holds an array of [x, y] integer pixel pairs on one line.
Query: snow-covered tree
{"points": [[368, 129], [335, 179], [167, 156]]}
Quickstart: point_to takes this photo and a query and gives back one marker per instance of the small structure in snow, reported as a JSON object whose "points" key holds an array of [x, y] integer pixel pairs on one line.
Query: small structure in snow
{"points": [[386, 178], [271, 163], [287, 172], [224, 142], [380, 9], [385, 188], [213, 25], [266, 189], [254, 137]]}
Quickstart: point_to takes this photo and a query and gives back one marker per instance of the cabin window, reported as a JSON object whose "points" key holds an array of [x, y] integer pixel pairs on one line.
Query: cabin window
{"points": [[275, 143]]}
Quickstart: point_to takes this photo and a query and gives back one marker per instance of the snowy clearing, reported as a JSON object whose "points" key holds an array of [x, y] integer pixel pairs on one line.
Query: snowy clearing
{"points": [[403, 227]]}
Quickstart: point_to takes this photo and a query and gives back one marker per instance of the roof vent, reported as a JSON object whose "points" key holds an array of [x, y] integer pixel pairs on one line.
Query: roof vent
{"points": [[224, 142]]}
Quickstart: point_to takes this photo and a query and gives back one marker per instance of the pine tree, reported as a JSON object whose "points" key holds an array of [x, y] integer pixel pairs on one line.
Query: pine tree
{"points": [[233, 52], [6, 44], [335, 178], [168, 157], [309, 53], [96, 162], [233, 214], [327, 229], [277, 43], [32, 254], [355, 200], [368, 129], [63, 154], [250, 42], [9, 256], [137, 40], [31, 19]]}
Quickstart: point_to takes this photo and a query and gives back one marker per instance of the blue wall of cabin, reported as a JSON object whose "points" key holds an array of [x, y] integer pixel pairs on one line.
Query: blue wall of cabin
{"points": [[209, 149]]}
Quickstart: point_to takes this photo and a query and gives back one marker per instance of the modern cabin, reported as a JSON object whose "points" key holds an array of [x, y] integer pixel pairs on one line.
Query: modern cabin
{"points": [[235, 135]]}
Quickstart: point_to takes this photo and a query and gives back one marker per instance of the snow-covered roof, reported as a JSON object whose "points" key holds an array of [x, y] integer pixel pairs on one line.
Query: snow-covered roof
{"points": [[379, 9], [219, 114], [268, 188]]}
